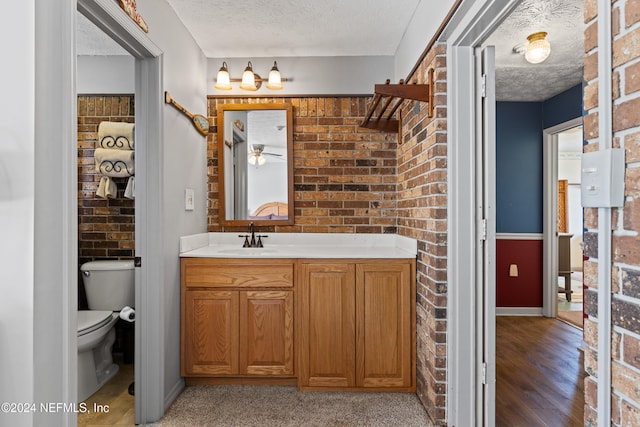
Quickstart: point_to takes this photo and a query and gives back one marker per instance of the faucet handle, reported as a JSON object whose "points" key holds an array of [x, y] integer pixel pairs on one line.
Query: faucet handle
{"points": [[259, 244], [246, 240]]}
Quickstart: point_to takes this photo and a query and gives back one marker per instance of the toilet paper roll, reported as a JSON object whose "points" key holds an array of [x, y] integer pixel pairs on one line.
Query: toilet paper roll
{"points": [[128, 314]]}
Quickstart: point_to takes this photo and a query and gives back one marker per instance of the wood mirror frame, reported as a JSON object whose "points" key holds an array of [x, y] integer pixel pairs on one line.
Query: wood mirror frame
{"points": [[272, 207]]}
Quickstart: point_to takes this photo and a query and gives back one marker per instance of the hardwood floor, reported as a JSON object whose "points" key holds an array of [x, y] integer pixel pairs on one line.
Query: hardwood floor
{"points": [[113, 396], [539, 373]]}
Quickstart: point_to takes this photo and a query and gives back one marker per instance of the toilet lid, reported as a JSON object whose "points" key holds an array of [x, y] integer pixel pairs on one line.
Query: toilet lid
{"points": [[90, 320]]}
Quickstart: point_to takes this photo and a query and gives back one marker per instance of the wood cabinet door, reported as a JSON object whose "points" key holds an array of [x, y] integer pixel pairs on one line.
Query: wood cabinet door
{"points": [[327, 336], [383, 325], [210, 333], [266, 333]]}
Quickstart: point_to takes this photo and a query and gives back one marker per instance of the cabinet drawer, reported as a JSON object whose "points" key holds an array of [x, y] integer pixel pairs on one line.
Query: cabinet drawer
{"points": [[246, 273]]}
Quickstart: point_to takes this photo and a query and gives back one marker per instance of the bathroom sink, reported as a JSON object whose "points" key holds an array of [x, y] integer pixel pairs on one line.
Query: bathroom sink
{"points": [[247, 251]]}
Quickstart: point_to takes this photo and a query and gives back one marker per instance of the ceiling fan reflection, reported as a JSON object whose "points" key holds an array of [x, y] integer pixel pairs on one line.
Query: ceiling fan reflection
{"points": [[257, 155]]}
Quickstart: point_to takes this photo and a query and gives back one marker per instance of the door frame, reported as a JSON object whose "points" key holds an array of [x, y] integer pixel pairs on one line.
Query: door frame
{"points": [[470, 26], [550, 215], [55, 326], [149, 354]]}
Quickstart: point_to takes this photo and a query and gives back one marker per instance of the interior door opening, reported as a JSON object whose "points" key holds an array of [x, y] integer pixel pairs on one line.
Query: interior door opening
{"points": [[106, 216], [568, 146]]}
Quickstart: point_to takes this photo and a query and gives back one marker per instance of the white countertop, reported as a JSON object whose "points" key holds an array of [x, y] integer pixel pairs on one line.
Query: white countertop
{"points": [[299, 245]]}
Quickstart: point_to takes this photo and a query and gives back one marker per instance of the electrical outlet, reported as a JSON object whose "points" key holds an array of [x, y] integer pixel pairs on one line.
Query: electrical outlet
{"points": [[189, 202], [513, 270]]}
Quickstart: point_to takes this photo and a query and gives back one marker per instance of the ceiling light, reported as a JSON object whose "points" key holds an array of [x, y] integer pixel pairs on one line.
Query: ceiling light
{"points": [[538, 48], [223, 82], [250, 80], [255, 156]]}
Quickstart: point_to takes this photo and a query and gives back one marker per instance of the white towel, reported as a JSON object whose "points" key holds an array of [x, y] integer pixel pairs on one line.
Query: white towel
{"points": [[107, 188], [116, 135], [114, 163], [130, 191]]}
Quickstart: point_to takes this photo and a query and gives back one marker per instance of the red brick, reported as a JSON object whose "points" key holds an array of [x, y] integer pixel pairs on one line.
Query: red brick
{"points": [[632, 147], [625, 115], [631, 12], [632, 182], [632, 78], [626, 48], [625, 380], [591, 37], [591, 67], [629, 414], [590, 10], [631, 215], [590, 126], [590, 96]]}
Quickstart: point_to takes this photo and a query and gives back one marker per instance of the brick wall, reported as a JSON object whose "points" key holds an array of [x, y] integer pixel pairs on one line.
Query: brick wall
{"points": [[105, 227], [344, 176], [422, 214], [625, 364]]}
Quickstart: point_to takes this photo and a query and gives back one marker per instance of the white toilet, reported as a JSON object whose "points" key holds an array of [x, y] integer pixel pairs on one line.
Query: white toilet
{"points": [[109, 286]]}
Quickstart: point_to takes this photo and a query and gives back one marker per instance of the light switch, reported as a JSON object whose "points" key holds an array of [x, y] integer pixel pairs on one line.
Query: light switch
{"points": [[513, 270], [602, 176], [189, 202]]}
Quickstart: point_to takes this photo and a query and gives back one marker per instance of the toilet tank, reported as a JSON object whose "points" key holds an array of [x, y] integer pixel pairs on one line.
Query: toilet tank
{"points": [[109, 285]]}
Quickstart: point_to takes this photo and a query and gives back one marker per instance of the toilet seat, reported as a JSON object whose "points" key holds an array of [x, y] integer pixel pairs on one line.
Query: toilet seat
{"points": [[90, 320]]}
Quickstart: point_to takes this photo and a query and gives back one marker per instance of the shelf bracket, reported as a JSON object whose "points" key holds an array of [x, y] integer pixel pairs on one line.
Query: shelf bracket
{"points": [[384, 120]]}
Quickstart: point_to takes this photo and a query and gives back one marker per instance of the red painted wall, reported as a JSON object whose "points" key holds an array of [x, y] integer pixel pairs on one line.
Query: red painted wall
{"points": [[526, 289]]}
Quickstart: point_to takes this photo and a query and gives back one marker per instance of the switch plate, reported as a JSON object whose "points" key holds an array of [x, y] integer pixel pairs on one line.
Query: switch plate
{"points": [[189, 202], [513, 270], [602, 176]]}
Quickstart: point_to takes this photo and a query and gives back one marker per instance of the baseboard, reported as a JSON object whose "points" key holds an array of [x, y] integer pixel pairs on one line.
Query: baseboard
{"points": [[173, 393], [518, 311]]}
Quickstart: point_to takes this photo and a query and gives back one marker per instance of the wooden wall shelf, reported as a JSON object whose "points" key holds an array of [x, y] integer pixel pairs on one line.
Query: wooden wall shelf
{"points": [[396, 94]]}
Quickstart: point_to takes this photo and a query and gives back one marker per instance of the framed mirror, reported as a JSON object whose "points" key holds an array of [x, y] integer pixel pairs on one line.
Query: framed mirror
{"points": [[255, 164]]}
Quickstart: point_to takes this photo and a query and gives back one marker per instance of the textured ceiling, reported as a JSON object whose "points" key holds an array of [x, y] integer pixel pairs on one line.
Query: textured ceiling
{"points": [[232, 28], [516, 79], [235, 28]]}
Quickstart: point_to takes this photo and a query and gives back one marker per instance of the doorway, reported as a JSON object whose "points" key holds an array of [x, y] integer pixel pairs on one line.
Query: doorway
{"points": [[105, 82], [568, 145], [469, 335], [107, 15]]}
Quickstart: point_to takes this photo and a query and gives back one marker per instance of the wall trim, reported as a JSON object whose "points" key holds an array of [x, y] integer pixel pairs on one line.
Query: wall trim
{"points": [[518, 311], [519, 236], [471, 24], [149, 234]]}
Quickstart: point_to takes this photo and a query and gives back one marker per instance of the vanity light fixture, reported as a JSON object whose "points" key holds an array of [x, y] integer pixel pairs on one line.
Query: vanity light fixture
{"points": [[275, 81], [223, 81], [250, 80], [536, 49]]}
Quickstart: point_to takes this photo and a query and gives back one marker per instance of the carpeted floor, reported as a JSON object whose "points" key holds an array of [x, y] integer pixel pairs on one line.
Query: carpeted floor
{"points": [[265, 406]]}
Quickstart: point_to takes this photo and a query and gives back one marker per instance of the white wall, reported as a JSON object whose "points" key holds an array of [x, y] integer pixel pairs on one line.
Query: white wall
{"points": [[105, 75], [423, 26], [17, 210], [185, 162], [346, 75]]}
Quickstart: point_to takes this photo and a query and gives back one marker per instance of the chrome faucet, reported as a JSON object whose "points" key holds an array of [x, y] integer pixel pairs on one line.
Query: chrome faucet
{"points": [[253, 243]]}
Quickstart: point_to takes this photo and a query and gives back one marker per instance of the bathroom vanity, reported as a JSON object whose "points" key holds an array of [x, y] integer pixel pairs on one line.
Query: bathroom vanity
{"points": [[320, 311]]}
